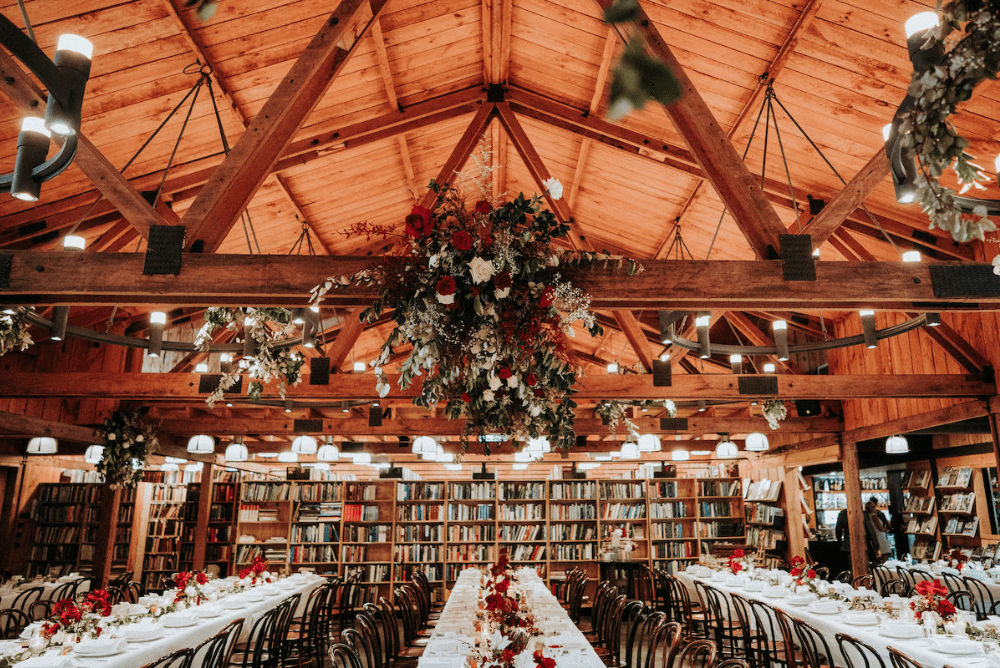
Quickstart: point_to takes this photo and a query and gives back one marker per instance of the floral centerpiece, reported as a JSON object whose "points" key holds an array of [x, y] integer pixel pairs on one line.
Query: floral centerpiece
{"points": [[613, 412], [14, 332], [804, 576], [127, 444], [957, 560], [932, 608], [189, 591], [738, 561], [774, 411], [479, 297], [79, 619], [256, 573]]}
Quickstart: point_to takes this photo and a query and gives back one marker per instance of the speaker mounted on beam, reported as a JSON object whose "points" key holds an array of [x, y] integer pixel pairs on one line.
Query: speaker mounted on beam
{"points": [[164, 250], [797, 261]]}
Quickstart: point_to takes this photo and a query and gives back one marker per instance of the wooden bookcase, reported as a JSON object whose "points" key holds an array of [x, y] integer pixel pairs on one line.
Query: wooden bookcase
{"points": [[163, 534], [920, 514], [64, 517], [315, 530], [720, 513], [263, 523], [673, 517]]}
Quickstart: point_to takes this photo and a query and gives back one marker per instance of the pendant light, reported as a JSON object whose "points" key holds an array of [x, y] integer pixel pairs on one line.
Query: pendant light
{"points": [[726, 450], [328, 452], [630, 450], [422, 444], [201, 444], [757, 442], [236, 451], [650, 443], [43, 445], [304, 445], [896, 445], [93, 454]]}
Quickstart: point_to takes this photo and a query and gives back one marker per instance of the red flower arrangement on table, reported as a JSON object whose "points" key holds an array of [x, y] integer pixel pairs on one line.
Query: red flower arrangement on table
{"points": [[804, 575], [256, 572], [957, 560], [69, 616], [737, 561], [478, 295], [932, 600], [510, 627], [188, 585]]}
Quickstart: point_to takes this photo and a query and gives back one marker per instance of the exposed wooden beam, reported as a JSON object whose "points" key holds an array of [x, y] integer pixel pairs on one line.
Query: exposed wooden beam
{"points": [[466, 144], [353, 426], [361, 387], [720, 162], [218, 207], [12, 424], [956, 346], [117, 278], [24, 93], [847, 201], [350, 329]]}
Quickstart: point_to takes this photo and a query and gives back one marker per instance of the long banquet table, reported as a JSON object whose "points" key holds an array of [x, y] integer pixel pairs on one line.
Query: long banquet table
{"points": [[830, 625], [454, 636], [138, 654]]}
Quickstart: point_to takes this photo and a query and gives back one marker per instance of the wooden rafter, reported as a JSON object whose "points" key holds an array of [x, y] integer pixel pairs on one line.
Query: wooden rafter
{"points": [[351, 328], [117, 278], [720, 162], [360, 387], [849, 199], [957, 347], [463, 149], [218, 207]]}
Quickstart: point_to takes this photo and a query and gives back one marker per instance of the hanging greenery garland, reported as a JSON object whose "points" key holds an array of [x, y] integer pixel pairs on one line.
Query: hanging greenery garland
{"points": [[14, 332], [774, 411], [615, 413], [127, 445]]}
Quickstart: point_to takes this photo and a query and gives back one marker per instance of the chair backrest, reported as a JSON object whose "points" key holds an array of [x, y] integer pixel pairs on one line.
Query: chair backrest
{"points": [[12, 622], [823, 572], [732, 663], [867, 581], [953, 583], [696, 654], [844, 576], [612, 625], [815, 652], [407, 612], [640, 636], [748, 623], [386, 617], [217, 650], [983, 596], [278, 644], [134, 591], [719, 615], [115, 595], [663, 644], [62, 592], [342, 656], [772, 644], [83, 586], [179, 659], [906, 575], [890, 587], [787, 627], [256, 653], [858, 654], [40, 609], [680, 603], [576, 597], [606, 594], [24, 600], [900, 660], [364, 639], [882, 575], [646, 585], [963, 600]]}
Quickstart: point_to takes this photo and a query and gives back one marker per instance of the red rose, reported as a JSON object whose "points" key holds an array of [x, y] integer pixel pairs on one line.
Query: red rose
{"points": [[549, 296], [539, 392], [446, 286], [465, 397], [461, 240], [487, 238], [244, 573], [811, 574], [259, 567], [502, 280], [507, 656], [501, 586], [201, 578], [418, 223], [798, 560], [505, 373], [795, 572], [483, 206], [531, 379], [738, 552], [946, 608]]}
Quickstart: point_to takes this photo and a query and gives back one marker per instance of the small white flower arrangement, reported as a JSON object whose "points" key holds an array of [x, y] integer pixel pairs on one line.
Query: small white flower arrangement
{"points": [[774, 412], [14, 332]]}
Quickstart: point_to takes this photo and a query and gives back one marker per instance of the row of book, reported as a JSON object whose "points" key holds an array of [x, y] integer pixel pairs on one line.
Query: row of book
{"points": [[623, 490], [417, 553], [315, 533], [765, 537], [265, 491], [667, 530], [574, 552], [624, 511], [675, 550], [471, 491], [417, 491], [573, 490], [522, 511], [474, 533], [372, 533], [759, 513], [522, 532], [716, 509], [173, 493], [471, 553], [56, 514], [69, 533], [68, 494], [318, 491], [303, 554], [325, 510], [670, 510], [360, 492], [250, 512], [572, 532], [526, 552], [370, 572], [161, 544], [720, 487], [720, 530], [573, 511], [516, 491], [355, 512], [479, 512], [412, 533], [419, 512]]}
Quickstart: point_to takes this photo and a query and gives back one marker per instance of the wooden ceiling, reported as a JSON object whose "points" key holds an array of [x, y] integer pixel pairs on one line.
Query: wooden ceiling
{"points": [[350, 119]]}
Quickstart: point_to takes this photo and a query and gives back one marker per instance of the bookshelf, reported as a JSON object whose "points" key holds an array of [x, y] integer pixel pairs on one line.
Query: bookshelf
{"points": [[470, 526], [263, 523], [956, 503], [766, 522], [920, 514], [419, 530], [720, 513], [64, 517], [315, 530], [672, 523], [368, 521], [163, 534]]}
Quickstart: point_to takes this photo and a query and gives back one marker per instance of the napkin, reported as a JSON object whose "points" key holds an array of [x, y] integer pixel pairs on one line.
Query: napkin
{"points": [[187, 617], [47, 660], [953, 645], [103, 645], [144, 629]]}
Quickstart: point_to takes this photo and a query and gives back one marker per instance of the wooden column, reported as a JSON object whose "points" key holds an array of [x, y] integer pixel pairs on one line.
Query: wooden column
{"points": [[855, 509], [794, 532], [110, 501], [994, 404], [201, 528]]}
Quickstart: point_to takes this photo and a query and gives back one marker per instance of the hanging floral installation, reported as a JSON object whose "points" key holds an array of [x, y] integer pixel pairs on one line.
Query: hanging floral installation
{"points": [[774, 411], [479, 296], [615, 413], [965, 48], [269, 364], [127, 444], [14, 332]]}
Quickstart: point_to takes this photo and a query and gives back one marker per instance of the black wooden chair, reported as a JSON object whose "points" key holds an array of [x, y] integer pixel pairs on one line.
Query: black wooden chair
{"points": [[342, 656], [815, 652], [983, 596], [215, 652], [858, 654], [179, 659], [12, 622], [24, 600], [900, 660], [696, 654]]}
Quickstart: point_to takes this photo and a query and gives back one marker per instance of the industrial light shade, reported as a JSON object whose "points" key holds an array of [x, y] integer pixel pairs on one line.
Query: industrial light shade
{"points": [[726, 450], [780, 328], [43, 445], [328, 453], [93, 454], [868, 328], [920, 22], [304, 445], [649, 443], [201, 444], [362, 458], [444, 457], [630, 450], [680, 455], [288, 457], [539, 446], [237, 452], [757, 442], [896, 445], [422, 444]]}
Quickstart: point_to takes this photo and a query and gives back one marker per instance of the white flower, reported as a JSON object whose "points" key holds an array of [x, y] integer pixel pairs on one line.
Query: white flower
{"points": [[111, 436], [139, 439], [502, 294], [190, 592], [494, 382], [487, 395], [481, 270], [498, 641], [432, 261], [382, 388], [996, 265], [554, 187], [512, 381], [554, 260], [446, 299]]}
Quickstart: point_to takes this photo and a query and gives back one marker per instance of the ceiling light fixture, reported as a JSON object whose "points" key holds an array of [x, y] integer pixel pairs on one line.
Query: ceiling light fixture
{"points": [[680, 455], [304, 445], [868, 327], [650, 443], [896, 445], [201, 444], [287, 457], [702, 323], [157, 320], [236, 451], [43, 445], [94, 453], [756, 442], [726, 449]]}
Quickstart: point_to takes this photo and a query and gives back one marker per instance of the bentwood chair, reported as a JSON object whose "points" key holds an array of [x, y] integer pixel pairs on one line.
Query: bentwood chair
{"points": [[982, 595], [891, 587], [815, 652], [963, 600], [866, 581], [179, 659], [40, 609], [954, 583], [750, 635], [302, 641], [684, 610], [724, 629], [858, 654], [216, 651], [697, 654], [773, 646], [663, 644], [362, 639], [24, 600], [882, 575], [12, 622], [259, 652], [845, 577], [906, 575], [342, 656], [62, 592], [641, 632], [900, 660], [732, 663]]}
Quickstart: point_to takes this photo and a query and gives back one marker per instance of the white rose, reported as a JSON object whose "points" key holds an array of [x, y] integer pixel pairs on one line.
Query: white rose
{"points": [[512, 381], [487, 395], [481, 270], [190, 592], [446, 299], [501, 294], [111, 436], [494, 382], [554, 187], [554, 260], [139, 438], [432, 261]]}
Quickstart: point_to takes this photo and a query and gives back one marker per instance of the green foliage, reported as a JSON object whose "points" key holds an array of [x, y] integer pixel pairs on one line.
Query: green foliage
{"points": [[127, 445]]}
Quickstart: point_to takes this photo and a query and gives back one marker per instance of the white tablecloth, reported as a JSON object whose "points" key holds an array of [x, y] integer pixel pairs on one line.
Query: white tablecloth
{"points": [[829, 626], [8, 594], [139, 654], [452, 638]]}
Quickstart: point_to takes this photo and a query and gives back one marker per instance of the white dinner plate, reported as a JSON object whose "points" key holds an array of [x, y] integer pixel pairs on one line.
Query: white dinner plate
{"points": [[902, 631], [955, 646], [861, 619]]}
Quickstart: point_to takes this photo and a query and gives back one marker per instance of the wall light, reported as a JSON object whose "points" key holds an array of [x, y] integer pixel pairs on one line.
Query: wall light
{"points": [[769, 367], [74, 243], [736, 364]]}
